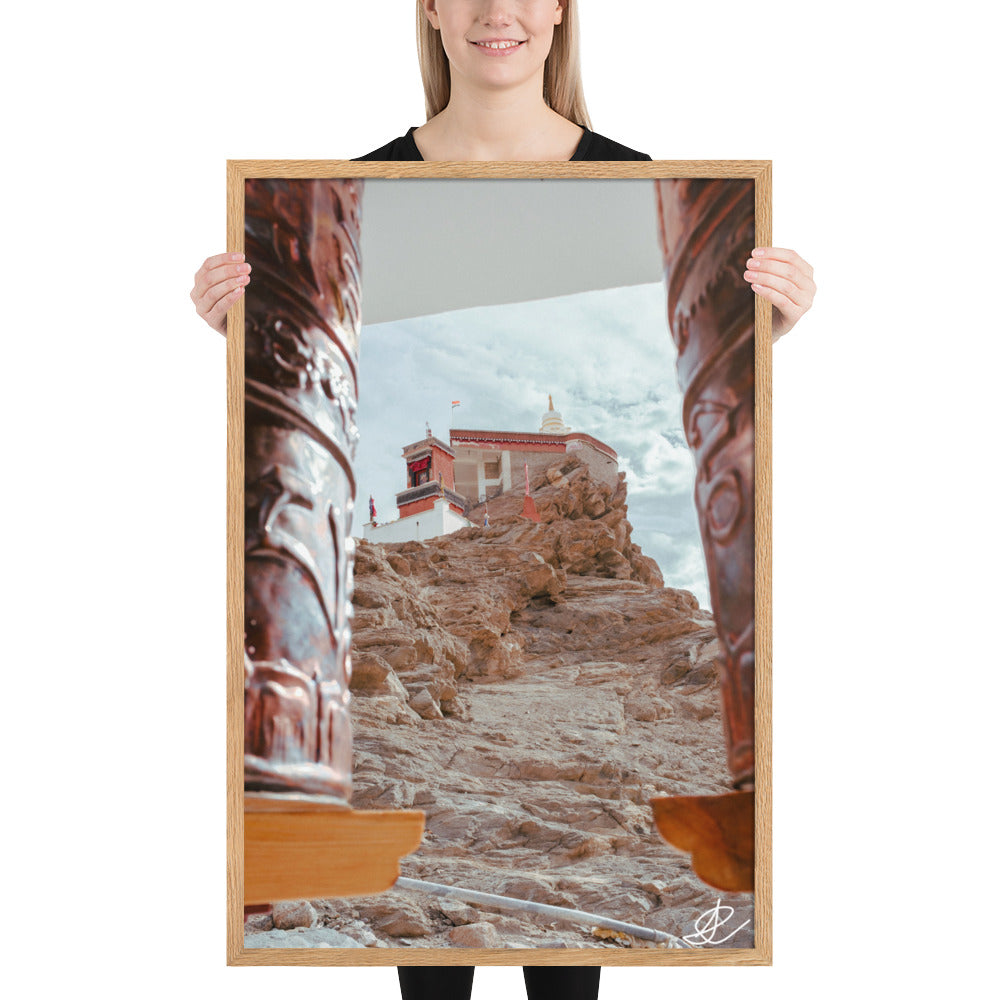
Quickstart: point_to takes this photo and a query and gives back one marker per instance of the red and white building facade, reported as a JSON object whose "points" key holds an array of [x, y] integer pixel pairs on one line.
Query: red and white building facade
{"points": [[443, 481]]}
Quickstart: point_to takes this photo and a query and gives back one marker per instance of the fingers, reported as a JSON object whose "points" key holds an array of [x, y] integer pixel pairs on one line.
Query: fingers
{"points": [[784, 256], [218, 269], [785, 305], [775, 280], [218, 283], [786, 312], [218, 259], [796, 271], [216, 316], [785, 280], [782, 278]]}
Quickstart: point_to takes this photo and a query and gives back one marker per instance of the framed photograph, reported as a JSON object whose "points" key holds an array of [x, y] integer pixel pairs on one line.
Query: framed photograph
{"points": [[499, 565]]}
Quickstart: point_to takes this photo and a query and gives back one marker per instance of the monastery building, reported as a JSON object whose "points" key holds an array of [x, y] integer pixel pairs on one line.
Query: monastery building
{"points": [[444, 481]]}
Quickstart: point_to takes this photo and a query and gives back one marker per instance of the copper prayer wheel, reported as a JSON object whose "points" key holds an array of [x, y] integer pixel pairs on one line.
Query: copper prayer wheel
{"points": [[706, 234], [303, 314]]}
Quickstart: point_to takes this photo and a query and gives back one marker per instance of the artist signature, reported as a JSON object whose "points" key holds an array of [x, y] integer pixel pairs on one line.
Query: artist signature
{"points": [[711, 923]]}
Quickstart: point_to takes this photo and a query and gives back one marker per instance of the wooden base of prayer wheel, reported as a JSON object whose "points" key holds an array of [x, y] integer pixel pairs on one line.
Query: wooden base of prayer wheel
{"points": [[305, 848], [717, 831]]}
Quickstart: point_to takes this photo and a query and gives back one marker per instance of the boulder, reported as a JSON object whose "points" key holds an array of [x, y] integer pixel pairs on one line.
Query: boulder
{"points": [[477, 935], [289, 914]]}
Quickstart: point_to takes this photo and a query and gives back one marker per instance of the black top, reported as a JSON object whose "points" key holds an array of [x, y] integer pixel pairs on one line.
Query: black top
{"points": [[592, 147]]}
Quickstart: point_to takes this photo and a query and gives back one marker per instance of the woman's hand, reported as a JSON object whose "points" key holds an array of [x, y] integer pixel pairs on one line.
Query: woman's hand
{"points": [[786, 281], [218, 283]]}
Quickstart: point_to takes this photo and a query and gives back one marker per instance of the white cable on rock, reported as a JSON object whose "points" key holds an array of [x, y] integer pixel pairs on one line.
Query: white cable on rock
{"points": [[556, 912]]}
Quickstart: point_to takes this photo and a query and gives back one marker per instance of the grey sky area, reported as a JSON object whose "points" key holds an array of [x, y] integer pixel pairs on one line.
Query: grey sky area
{"points": [[608, 361], [431, 246]]}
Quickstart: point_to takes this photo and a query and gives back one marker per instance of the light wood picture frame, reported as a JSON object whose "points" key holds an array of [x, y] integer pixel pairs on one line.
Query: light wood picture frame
{"points": [[261, 827]]}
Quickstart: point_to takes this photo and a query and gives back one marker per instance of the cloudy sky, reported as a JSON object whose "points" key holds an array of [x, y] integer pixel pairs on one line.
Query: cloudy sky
{"points": [[608, 361]]}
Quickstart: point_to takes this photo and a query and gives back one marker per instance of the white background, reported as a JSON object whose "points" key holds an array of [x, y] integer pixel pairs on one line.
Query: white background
{"points": [[118, 120]]}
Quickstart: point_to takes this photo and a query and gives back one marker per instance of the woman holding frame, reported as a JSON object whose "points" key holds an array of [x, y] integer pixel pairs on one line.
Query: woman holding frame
{"points": [[502, 82]]}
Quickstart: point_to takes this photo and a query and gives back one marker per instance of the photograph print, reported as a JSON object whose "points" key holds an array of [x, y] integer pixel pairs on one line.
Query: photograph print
{"points": [[498, 580]]}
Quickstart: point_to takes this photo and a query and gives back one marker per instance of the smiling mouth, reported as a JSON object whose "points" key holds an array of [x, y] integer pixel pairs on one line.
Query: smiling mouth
{"points": [[499, 44]]}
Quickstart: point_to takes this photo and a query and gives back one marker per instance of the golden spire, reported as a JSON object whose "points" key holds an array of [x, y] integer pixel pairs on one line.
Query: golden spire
{"points": [[552, 422]]}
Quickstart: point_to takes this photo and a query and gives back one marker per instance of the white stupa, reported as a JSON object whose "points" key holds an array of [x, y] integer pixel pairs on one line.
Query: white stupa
{"points": [[552, 421]]}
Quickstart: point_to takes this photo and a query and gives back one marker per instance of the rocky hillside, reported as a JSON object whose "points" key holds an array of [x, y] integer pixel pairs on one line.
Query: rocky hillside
{"points": [[529, 686]]}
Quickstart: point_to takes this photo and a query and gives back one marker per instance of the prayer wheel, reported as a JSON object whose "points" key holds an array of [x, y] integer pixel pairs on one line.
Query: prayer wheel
{"points": [[706, 234], [303, 314]]}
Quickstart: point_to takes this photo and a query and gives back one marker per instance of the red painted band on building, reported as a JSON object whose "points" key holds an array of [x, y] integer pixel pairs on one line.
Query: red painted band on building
{"points": [[523, 441], [417, 507]]}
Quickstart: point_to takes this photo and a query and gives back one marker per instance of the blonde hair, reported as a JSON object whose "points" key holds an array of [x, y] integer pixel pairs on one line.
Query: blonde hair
{"points": [[563, 86]]}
